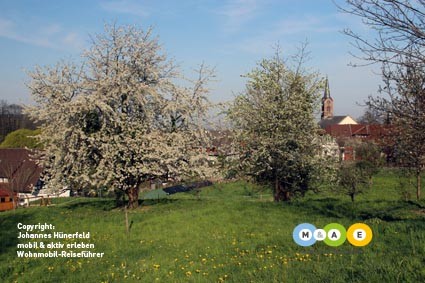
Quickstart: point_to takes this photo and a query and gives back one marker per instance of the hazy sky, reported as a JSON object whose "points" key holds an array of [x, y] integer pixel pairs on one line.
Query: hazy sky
{"points": [[232, 35]]}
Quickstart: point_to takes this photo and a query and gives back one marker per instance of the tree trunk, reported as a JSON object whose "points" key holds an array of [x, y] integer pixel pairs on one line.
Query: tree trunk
{"points": [[281, 194], [276, 190], [353, 191], [418, 184], [14, 200], [286, 195], [133, 197]]}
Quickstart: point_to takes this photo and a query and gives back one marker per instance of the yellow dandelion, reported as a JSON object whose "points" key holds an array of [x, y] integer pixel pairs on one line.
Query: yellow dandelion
{"points": [[188, 273]]}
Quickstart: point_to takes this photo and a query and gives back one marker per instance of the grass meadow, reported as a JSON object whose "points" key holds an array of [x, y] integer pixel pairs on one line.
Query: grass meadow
{"points": [[230, 232]]}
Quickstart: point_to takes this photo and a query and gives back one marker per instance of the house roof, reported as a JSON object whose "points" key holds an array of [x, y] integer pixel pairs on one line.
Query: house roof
{"points": [[5, 193], [359, 130], [220, 141], [335, 120], [21, 171]]}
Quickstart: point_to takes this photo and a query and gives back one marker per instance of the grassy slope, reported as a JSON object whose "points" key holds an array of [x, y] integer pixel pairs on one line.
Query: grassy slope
{"points": [[233, 234]]}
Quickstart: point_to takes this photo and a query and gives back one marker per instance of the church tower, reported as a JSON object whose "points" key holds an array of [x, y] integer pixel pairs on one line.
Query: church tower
{"points": [[327, 102]]}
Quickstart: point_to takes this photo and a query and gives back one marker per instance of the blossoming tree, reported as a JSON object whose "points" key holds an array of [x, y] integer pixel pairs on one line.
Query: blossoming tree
{"points": [[120, 119]]}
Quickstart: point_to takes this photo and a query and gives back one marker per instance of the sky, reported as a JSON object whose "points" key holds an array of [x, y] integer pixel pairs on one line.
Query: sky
{"points": [[230, 35]]}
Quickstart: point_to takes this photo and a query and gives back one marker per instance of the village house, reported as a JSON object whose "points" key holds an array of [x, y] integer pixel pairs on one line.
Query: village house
{"points": [[6, 200], [18, 172], [346, 131]]}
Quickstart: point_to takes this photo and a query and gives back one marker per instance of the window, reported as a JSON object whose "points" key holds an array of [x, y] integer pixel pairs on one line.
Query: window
{"points": [[4, 180], [3, 200]]}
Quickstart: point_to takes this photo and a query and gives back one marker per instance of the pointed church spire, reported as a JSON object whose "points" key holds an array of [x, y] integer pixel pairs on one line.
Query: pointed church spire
{"points": [[327, 102], [327, 93]]}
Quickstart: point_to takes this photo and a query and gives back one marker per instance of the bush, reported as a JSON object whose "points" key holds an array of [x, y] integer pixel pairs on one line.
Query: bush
{"points": [[22, 138]]}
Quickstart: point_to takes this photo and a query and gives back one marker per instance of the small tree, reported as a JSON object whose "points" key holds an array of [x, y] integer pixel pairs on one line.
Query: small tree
{"points": [[370, 152], [19, 176], [371, 116], [354, 178], [276, 133], [398, 46]]}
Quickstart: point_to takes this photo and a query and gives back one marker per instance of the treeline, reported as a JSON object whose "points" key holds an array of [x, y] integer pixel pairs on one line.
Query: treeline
{"points": [[12, 119]]}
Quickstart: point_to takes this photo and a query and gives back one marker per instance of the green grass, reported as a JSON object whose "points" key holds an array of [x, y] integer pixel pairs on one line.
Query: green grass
{"points": [[232, 232]]}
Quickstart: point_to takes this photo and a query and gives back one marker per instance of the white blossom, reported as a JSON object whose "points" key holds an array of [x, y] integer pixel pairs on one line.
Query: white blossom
{"points": [[120, 120]]}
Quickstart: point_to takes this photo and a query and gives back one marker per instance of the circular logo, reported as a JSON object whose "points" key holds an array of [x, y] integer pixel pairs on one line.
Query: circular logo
{"points": [[303, 234], [359, 234], [335, 234]]}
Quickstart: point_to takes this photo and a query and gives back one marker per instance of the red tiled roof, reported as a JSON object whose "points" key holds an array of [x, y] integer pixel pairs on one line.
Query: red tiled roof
{"points": [[331, 121], [4, 193], [367, 131], [17, 166]]}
